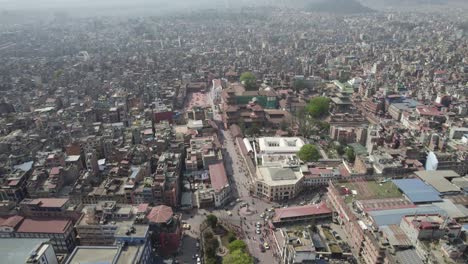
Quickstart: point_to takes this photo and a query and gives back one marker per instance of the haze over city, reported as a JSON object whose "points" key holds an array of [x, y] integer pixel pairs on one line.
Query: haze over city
{"points": [[234, 132]]}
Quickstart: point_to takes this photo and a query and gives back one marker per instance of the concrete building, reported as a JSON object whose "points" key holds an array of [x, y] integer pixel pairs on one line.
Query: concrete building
{"points": [[59, 232], [278, 183], [131, 254], [279, 145], [429, 227], [295, 246], [102, 223], [28, 251], [320, 176], [219, 183]]}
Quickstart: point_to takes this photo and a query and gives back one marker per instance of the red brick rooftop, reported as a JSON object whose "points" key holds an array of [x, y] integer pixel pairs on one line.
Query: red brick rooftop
{"points": [[218, 176], [299, 211]]}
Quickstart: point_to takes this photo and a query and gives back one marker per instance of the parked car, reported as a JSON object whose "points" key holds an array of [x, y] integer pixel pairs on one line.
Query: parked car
{"points": [[258, 224], [266, 245], [258, 231]]}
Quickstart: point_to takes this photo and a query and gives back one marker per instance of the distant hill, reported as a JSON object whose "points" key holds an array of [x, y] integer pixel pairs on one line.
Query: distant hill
{"points": [[338, 7], [413, 4]]}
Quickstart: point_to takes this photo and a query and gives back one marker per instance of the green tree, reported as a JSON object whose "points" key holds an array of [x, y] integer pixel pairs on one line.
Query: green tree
{"points": [[238, 257], [318, 106], [212, 220], [299, 85], [237, 245], [308, 153], [57, 74], [210, 261], [340, 149], [231, 237], [253, 130], [350, 156], [249, 80]]}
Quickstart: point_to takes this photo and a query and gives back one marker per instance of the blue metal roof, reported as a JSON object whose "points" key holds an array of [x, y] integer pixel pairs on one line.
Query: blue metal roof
{"points": [[417, 191], [394, 216]]}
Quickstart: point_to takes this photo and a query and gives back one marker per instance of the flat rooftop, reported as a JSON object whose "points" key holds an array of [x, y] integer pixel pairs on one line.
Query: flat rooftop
{"points": [[101, 255], [18, 250], [280, 144], [104, 255], [439, 179], [275, 176]]}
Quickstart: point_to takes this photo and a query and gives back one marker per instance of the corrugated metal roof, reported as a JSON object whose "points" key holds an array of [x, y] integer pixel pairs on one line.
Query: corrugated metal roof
{"points": [[417, 191], [393, 217]]}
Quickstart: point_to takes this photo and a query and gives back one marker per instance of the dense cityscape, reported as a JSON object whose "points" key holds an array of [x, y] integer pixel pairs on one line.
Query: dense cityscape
{"points": [[235, 136]]}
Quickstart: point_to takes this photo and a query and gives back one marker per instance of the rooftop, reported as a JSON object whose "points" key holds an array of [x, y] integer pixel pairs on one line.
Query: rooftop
{"points": [[218, 176], [160, 214], [46, 202], [394, 216], [18, 250], [274, 176], [83, 254], [280, 144], [44, 226], [438, 179], [300, 211], [417, 191]]}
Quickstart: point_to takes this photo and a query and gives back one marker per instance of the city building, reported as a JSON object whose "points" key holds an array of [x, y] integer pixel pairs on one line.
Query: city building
{"points": [[278, 183], [305, 213], [28, 251], [295, 246], [220, 184], [60, 232]]}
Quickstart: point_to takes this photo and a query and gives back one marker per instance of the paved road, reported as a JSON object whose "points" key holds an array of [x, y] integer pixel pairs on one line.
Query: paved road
{"points": [[240, 181]]}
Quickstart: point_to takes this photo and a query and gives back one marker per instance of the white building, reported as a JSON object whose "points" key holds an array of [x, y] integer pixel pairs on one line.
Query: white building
{"points": [[280, 145], [278, 183]]}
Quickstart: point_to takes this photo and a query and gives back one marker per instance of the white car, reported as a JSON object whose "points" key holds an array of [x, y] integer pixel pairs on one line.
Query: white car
{"points": [[258, 231], [258, 224]]}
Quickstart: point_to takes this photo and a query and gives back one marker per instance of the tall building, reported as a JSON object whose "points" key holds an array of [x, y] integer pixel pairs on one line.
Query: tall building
{"points": [[27, 251], [92, 163]]}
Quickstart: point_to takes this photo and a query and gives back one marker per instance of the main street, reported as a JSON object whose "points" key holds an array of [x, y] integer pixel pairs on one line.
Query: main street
{"points": [[247, 216], [245, 213]]}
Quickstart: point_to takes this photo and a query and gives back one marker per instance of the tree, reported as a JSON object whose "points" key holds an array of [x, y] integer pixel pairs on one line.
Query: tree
{"points": [[212, 220], [304, 123], [249, 80], [350, 156], [237, 245], [308, 153], [318, 106], [299, 85], [242, 125], [238, 257], [253, 130], [340, 149], [210, 261], [231, 237]]}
